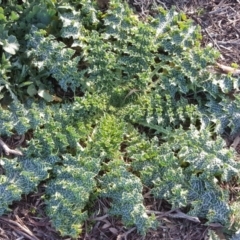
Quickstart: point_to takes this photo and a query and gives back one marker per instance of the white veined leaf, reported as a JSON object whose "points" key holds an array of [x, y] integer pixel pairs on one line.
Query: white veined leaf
{"points": [[46, 95], [11, 45]]}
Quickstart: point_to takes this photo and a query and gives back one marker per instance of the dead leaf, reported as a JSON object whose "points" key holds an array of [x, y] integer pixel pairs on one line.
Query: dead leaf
{"points": [[236, 142], [56, 99], [100, 218], [106, 225], [113, 230]]}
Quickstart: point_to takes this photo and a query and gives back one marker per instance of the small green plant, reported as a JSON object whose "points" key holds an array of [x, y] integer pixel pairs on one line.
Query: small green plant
{"points": [[149, 113]]}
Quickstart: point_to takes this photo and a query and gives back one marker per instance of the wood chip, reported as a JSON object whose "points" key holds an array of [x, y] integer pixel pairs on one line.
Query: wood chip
{"points": [[227, 69], [113, 230]]}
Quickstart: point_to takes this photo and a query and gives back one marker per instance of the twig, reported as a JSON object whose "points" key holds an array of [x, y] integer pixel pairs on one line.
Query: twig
{"points": [[124, 235], [24, 234], [219, 10], [162, 3], [25, 231], [227, 69], [100, 218], [237, 42], [130, 93], [175, 213], [179, 214], [8, 150]]}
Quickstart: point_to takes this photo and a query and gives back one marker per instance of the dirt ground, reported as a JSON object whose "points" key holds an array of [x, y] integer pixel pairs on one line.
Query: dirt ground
{"points": [[220, 23]]}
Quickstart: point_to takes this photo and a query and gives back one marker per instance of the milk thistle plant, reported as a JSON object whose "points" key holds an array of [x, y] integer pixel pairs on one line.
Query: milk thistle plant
{"points": [[85, 82]]}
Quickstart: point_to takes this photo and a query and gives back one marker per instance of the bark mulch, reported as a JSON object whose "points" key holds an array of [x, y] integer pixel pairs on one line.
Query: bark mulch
{"points": [[220, 23]]}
